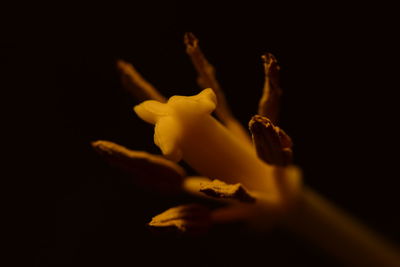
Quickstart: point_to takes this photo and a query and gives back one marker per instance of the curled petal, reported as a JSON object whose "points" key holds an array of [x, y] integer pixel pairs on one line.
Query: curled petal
{"points": [[272, 144], [151, 111], [149, 170], [219, 189], [193, 184], [191, 218], [197, 185], [203, 103]]}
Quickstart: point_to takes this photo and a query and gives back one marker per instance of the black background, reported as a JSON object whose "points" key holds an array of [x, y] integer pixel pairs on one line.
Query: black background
{"points": [[339, 76]]}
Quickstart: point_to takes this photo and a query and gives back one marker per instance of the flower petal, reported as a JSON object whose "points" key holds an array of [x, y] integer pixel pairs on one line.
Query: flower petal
{"points": [[191, 218], [269, 102], [150, 170], [272, 144], [151, 111], [166, 137], [134, 83], [193, 184], [219, 189], [207, 79]]}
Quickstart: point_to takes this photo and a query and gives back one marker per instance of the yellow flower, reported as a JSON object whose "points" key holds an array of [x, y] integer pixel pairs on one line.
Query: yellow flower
{"points": [[222, 154], [252, 175]]}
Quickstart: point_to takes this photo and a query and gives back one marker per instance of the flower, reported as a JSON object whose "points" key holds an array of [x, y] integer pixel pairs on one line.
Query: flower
{"points": [[257, 177], [253, 176]]}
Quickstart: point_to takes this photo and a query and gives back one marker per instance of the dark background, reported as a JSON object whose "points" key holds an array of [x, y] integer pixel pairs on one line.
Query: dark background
{"points": [[339, 76]]}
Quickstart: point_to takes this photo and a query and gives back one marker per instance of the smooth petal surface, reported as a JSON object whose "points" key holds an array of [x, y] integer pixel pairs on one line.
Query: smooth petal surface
{"points": [[167, 137], [151, 111]]}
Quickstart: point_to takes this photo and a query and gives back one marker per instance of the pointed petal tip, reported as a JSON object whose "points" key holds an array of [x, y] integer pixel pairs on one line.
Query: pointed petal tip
{"points": [[183, 219], [102, 146], [151, 110], [190, 39], [121, 64], [268, 58]]}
